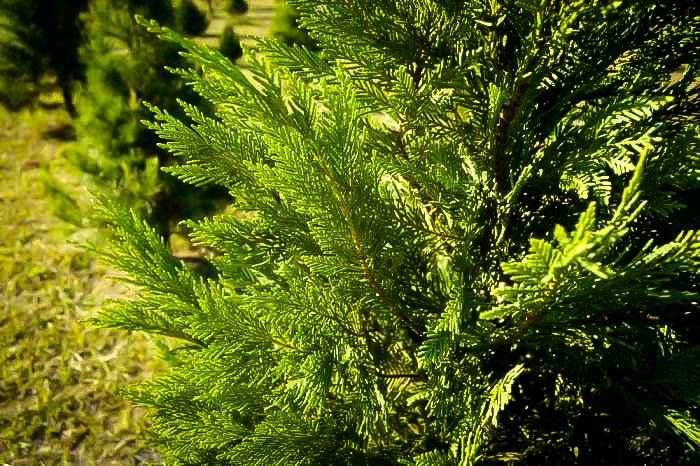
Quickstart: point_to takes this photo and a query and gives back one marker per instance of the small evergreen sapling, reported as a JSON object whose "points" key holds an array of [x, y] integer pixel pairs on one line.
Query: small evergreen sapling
{"points": [[39, 38], [190, 19], [230, 45], [467, 233], [236, 7], [285, 27], [114, 154]]}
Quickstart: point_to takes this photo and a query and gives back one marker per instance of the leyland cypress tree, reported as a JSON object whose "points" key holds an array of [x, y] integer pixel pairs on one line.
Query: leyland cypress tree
{"points": [[39, 38], [114, 154], [466, 233], [230, 44], [236, 7], [190, 19]]}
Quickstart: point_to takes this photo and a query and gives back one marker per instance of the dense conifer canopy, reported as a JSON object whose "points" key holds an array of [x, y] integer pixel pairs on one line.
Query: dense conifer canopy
{"points": [[463, 233]]}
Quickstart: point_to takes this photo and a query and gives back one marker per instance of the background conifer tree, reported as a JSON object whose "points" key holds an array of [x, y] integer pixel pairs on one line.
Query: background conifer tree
{"points": [[285, 27], [39, 37], [230, 44], [115, 154], [190, 19], [464, 234], [236, 7]]}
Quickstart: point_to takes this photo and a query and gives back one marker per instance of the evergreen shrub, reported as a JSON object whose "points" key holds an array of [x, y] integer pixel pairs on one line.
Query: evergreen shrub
{"points": [[162, 11], [466, 233], [190, 19], [285, 27], [230, 44], [39, 39], [113, 153], [236, 7]]}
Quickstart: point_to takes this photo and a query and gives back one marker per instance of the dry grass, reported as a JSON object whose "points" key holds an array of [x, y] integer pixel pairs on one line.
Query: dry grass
{"points": [[254, 23], [59, 378]]}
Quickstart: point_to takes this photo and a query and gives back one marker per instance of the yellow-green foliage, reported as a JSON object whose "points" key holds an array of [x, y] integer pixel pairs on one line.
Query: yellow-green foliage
{"points": [[59, 378]]}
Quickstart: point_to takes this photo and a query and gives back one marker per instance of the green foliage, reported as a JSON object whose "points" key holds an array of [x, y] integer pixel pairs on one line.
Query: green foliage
{"points": [[59, 381], [236, 7], [285, 27], [466, 233], [230, 44], [190, 19], [38, 37], [162, 11], [114, 153]]}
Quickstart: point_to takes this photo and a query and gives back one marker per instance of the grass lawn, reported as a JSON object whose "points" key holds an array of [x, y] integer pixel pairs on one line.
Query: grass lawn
{"points": [[254, 23], [60, 378]]}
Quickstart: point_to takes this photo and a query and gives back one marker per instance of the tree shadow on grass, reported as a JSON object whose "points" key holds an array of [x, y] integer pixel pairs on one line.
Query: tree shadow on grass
{"points": [[61, 132]]}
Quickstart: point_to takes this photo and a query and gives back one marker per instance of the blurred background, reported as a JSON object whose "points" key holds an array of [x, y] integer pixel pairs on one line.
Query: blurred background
{"points": [[74, 75]]}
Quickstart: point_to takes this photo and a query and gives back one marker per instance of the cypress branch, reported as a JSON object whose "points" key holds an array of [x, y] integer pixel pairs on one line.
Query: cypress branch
{"points": [[461, 233]]}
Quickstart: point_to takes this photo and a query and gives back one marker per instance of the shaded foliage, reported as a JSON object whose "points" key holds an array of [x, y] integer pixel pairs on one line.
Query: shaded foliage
{"points": [[236, 7], [113, 151], [285, 27], [230, 44], [190, 19], [39, 37]]}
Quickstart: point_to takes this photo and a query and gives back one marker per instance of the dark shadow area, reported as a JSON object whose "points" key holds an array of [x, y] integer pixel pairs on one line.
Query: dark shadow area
{"points": [[64, 132], [50, 105]]}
